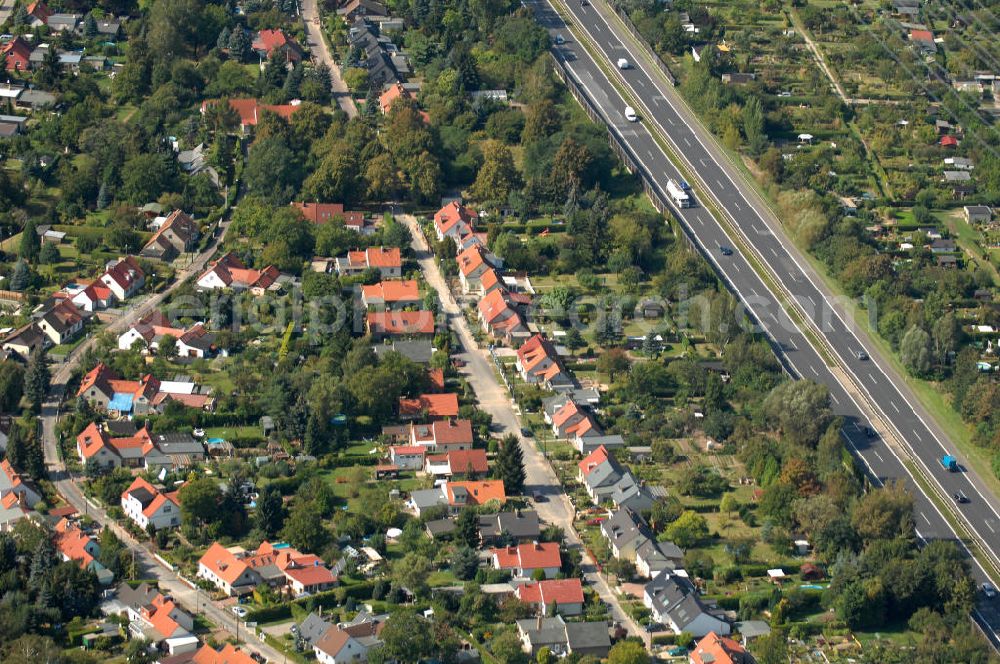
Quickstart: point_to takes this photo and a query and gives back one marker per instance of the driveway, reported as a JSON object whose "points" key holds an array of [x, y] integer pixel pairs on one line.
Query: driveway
{"points": [[321, 52], [494, 399]]}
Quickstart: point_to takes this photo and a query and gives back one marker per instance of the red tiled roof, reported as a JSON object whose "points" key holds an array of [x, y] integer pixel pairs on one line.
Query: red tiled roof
{"points": [[461, 461], [436, 405], [250, 110], [529, 556], [400, 322], [229, 654], [126, 272], [471, 259], [392, 291], [319, 213], [560, 591], [436, 378], [715, 649], [479, 493], [375, 257], [922, 35], [454, 213], [594, 459], [407, 450], [535, 350]]}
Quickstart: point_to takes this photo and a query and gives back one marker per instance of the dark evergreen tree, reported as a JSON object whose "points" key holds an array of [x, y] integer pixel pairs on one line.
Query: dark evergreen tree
{"points": [[467, 528], [510, 465], [36, 380], [270, 511], [30, 243], [90, 27], [20, 278]]}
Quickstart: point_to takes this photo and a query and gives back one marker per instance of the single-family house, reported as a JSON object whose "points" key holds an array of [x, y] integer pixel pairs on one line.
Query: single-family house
{"points": [[74, 545], [251, 110], [178, 234], [324, 213], [457, 462], [38, 14], [501, 314], [553, 596], [148, 506], [230, 272], [407, 457], [61, 322], [715, 649], [563, 638], [124, 277], [11, 483], [96, 296], [102, 387], [524, 559], [391, 94], [236, 571], [454, 220], [472, 266], [17, 54], [414, 350], [349, 642], [229, 654], [456, 496], [157, 618], [538, 363], [391, 294], [25, 341], [429, 406], [517, 526], [352, 10], [382, 324], [978, 214], [268, 42], [388, 262], [63, 22], [442, 435], [674, 602]]}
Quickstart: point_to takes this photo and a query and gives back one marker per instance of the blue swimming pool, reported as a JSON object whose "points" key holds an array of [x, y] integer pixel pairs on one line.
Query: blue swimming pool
{"points": [[215, 441]]}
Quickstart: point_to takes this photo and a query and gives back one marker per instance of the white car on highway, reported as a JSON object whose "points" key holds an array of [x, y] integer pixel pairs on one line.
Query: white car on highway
{"points": [[630, 114], [623, 63]]}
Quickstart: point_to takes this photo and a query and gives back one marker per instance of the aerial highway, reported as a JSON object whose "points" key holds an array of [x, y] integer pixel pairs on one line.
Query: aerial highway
{"points": [[870, 396]]}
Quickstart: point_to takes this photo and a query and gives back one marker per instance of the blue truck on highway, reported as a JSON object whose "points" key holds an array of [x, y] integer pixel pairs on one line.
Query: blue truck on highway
{"points": [[949, 462]]}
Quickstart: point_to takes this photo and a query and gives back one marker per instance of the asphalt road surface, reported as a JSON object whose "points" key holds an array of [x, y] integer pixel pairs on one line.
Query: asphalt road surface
{"points": [[660, 109], [556, 509], [312, 18]]}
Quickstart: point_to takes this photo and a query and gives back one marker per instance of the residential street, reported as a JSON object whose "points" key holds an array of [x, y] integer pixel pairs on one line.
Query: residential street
{"points": [[311, 17], [494, 399], [169, 582]]}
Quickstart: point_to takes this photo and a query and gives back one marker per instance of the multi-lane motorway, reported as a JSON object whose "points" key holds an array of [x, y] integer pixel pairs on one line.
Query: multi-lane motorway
{"points": [[867, 383]]}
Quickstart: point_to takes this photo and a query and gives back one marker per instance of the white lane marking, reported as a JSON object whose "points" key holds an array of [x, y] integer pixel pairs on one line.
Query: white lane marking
{"points": [[720, 183], [835, 399], [754, 292], [894, 406], [736, 267], [917, 434], [925, 518], [773, 252], [879, 456], [738, 206], [657, 101], [871, 377], [686, 141], [990, 527], [813, 369], [810, 279], [811, 300], [703, 164], [650, 153]]}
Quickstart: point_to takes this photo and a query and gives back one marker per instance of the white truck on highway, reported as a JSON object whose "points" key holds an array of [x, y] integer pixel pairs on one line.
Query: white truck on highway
{"points": [[678, 194]]}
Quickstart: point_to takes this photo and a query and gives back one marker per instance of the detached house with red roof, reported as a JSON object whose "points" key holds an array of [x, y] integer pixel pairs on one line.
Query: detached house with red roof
{"points": [[429, 406], [195, 341], [455, 220], [106, 391], [388, 262], [148, 506], [267, 42], [230, 272], [229, 654], [324, 213], [501, 314], [562, 596], [349, 642], [124, 278], [538, 363], [157, 618], [38, 14], [715, 649], [473, 265], [391, 294], [12, 484], [250, 110], [442, 435], [407, 457], [382, 324], [236, 571], [523, 560], [17, 53], [95, 297], [457, 462], [75, 545]]}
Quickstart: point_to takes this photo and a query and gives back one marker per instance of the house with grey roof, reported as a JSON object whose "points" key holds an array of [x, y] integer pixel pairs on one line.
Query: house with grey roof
{"points": [[652, 557], [419, 351], [509, 527], [625, 531], [978, 214], [674, 601], [562, 638], [313, 628]]}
